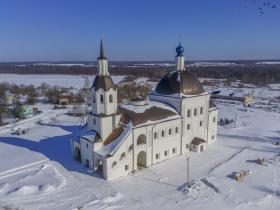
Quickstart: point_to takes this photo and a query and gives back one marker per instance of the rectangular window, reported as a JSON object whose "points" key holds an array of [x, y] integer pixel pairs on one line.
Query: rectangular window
{"points": [[188, 126], [157, 156], [201, 110], [155, 135], [213, 137], [176, 130], [162, 133], [214, 119], [170, 131], [126, 167], [200, 123], [195, 112], [87, 145], [174, 150], [166, 152], [189, 113]]}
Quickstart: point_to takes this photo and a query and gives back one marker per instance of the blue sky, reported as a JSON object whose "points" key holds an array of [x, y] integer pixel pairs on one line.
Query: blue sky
{"points": [[69, 30]]}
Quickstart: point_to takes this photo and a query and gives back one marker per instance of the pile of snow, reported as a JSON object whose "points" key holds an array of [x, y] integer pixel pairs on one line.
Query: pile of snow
{"points": [[30, 181]]}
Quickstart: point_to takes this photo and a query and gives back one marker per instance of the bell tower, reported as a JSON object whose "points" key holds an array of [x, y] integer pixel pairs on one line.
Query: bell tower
{"points": [[102, 118]]}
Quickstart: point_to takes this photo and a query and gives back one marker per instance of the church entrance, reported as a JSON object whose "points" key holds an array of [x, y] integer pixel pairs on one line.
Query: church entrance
{"points": [[100, 168], [77, 154], [201, 148], [141, 160]]}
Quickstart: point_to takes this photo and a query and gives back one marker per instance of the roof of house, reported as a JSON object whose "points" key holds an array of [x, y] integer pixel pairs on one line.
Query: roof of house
{"points": [[197, 141]]}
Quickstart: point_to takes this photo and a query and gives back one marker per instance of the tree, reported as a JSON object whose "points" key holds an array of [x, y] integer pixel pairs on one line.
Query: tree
{"points": [[17, 107], [31, 94]]}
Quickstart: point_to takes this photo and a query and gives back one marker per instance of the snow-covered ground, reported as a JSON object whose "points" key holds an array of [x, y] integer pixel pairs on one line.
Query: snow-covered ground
{"points": [[75, 81], [38, 172]]}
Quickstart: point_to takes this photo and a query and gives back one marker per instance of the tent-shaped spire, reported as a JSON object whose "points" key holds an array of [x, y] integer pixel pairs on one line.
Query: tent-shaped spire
{"points": [[101, 56]]}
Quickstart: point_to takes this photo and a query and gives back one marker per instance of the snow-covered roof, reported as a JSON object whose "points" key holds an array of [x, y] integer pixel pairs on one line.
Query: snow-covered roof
{"points": [[179, 95], [109, 149], [142, 109], [91, 136], [150, 113]]}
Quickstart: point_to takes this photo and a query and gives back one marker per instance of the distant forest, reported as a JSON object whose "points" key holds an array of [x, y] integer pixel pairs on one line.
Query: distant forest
{"points": [[250, 73]]}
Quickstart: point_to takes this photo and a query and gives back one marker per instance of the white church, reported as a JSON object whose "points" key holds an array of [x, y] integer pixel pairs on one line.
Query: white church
{"points": [[178, 117]]}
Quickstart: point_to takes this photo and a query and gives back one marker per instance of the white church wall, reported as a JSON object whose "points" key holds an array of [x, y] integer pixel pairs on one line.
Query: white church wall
{"points": [[212, 125], [172, 101], [121, 163], [102, 125], [141, 133], [167, 143], [86, 153], [110, 107], [195, 124], [106, 107]]}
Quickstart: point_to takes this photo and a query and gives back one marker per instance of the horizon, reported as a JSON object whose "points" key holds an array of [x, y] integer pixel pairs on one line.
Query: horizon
{"points": [[134, 61], [38, 31]]}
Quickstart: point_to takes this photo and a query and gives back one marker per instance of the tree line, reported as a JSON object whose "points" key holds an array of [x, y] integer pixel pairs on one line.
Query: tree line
{"points": [[248, 73]]}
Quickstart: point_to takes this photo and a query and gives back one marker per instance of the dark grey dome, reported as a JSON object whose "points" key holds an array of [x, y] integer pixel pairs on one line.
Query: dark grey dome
{"points": [[179, 82], [104, 82]]}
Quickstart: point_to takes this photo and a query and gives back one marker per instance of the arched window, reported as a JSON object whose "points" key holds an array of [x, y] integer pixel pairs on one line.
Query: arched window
{"points": [[122, 156], [189, 113], [141, 139], [155, 135], [114, 164], [130, 148], [110, 98], [101, 99], [201, 110]]}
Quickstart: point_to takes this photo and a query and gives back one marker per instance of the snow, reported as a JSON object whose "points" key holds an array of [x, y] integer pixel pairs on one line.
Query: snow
{"points": [[76, 81], [205, 64], [37, 170], [143, 108], [63, 64], [269, 63]]}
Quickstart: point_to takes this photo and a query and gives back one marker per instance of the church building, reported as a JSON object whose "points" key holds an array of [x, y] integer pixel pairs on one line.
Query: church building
{"points": [[176, 118]]}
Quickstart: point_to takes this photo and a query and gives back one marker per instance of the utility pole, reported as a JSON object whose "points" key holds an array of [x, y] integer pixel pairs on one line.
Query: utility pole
{"points": [[235, 120], [188, 169]]}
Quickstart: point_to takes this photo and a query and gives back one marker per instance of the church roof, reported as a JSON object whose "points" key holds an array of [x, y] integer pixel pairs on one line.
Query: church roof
{"points": [[91, 136], [101, 55], [198, 141], [179, 82], [104, 82], [152, 112]]}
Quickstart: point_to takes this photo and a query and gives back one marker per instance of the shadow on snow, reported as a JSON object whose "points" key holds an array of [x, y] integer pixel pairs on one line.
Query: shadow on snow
{"points": [[57, 148]]}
